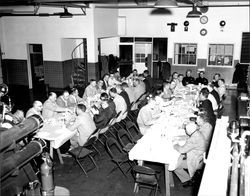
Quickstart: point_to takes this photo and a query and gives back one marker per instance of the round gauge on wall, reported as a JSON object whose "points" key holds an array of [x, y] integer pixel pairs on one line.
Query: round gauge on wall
{"points": [[203, 19], [203, 32]]}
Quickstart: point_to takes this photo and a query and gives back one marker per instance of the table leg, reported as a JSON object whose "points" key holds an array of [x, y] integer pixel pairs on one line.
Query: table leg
{"points": [[59, 156], [171, 178], [51, 151], [167, 180]]}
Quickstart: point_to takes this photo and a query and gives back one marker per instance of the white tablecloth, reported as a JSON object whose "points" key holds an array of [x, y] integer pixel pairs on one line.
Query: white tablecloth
{"points": [[56, 133], [156, 145]]}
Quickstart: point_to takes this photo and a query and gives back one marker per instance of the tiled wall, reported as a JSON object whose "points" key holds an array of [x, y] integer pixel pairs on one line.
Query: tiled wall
{"points": [[53, 74], [15, 71]]}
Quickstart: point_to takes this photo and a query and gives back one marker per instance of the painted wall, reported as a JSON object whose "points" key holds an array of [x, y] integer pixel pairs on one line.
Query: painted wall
{"points": [[149, 23]]}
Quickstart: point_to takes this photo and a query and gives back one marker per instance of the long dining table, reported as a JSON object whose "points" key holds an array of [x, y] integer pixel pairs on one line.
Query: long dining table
{"points": [[156, 145]]}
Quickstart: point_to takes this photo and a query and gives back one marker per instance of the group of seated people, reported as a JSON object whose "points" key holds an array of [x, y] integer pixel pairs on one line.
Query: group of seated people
{"points": [[108, 99], [208, 103]]}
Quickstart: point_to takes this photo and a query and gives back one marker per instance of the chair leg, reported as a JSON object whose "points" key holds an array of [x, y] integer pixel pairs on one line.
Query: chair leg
{"points": [[93, 161], [80, 165], [96, 150], [156, 189]]}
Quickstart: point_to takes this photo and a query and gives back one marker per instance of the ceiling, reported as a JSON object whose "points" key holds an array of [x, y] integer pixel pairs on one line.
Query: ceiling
{"points": [[8, 7]]}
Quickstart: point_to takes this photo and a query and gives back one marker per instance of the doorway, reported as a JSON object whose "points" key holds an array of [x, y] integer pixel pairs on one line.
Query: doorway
{"points": [[35, 66], [143, 53], [126, 59]]}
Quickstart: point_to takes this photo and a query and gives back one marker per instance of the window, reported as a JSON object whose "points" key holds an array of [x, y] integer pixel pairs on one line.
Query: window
{"points": [[185, 53], [141, 51], [220, 54]]}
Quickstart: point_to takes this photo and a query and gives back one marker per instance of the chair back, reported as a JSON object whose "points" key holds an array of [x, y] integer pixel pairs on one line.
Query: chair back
{"points": [[123, 137], [113, 148], [91, 141], [132, 129]]}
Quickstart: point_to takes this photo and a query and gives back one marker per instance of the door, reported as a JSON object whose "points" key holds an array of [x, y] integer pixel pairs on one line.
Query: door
{"points": [[126, 59]]}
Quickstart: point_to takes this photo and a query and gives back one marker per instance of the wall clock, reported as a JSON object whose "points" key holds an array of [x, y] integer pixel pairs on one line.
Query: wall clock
{"points": [[203, 19], [203, 32]]}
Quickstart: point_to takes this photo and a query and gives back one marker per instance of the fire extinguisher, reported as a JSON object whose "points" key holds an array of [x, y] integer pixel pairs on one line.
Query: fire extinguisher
{"points": [[47, 177]]}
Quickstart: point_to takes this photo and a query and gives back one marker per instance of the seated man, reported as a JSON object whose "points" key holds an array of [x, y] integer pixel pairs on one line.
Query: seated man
{"points": [[84, 124], [167, 93], [148, 81], [206, 105], [104, 114], [36, 109], [139, 90], [221, 89], [124, 94], [204, 126], [179, 84], [130, 92], [90, 90], [188, 79], [194, 148], [201, 79], [62, 100], [74, 98], [120, 104], [50, 107], [213, 92], [147, 115]]}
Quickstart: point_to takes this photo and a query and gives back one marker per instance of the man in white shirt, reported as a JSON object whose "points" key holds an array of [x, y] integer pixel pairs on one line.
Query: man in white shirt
{"points": [[147, 115], [84, 124], [62, 100], [50, 107], [90, 90], [120, 104]]}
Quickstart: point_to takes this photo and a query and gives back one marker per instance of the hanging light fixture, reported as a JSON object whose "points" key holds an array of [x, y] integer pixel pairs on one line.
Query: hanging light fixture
{"points": [[166, 3], [194, 13]]}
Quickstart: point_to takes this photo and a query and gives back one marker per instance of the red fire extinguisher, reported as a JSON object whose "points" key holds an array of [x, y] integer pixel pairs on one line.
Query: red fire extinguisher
{"points": [[47, 177]]}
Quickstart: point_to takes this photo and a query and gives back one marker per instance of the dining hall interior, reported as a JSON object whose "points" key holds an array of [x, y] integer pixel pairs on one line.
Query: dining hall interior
{"points": [[124, 97]]}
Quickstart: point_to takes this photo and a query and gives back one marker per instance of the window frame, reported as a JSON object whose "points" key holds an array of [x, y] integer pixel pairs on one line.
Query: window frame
{"points": [[191, 65], [221, 66]]}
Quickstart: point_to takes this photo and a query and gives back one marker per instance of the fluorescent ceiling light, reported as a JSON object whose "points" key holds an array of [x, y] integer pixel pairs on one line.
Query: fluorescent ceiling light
{"points": [[166, 3]]}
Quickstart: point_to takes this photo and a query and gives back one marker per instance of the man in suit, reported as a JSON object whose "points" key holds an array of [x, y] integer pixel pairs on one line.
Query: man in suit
{"points": [[206, 105], [104, 115], [105, 81], [36, 109], [148, 81], [201, 79], [188, 79], [194, 148]]}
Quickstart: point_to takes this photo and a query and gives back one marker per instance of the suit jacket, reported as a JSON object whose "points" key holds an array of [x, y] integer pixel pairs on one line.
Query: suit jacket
{"points": [[206, 105], [105, 85], [102, 119], [201, 80], [188, 80], [194, 147], [125, 96], [216, 96]]}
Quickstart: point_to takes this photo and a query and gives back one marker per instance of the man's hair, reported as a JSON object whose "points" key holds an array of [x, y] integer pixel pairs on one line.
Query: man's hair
{"points": [[51, 93], [81, 107], [36, 102], [92, 80], [180, 75], [189, 70], [222, 80], [204, 92], [106, 74], [104, 96], [204, 115], [73, 90], [113, 90], [218, 74], [134, 70], [146, 72], [124, 85]]}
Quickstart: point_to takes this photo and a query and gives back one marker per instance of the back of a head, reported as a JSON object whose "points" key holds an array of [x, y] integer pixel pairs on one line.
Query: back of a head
{"points": [[124, 85], [82, 107], [104, 96], [204, 92], [37, 103], [113, 90]]}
